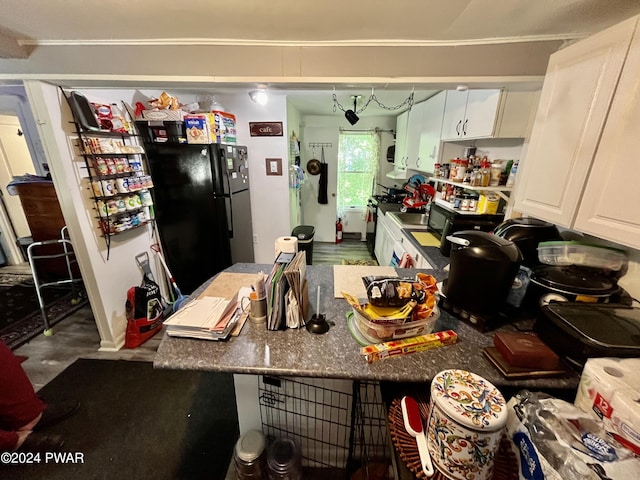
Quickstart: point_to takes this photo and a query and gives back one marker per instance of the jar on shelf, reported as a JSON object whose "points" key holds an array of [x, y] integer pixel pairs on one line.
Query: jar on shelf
{"points": [[461, 170], [436, 170], [473, 203], [496, 173], [445, 168], [465, 201]]}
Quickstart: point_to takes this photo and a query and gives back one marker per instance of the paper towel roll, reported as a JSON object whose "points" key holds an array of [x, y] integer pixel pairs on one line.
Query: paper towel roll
{"points": [[601, 378], [286, 245]]}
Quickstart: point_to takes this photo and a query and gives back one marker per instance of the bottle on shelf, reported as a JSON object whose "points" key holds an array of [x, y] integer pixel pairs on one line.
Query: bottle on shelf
{"points": [[485, 172], [511, 180]]}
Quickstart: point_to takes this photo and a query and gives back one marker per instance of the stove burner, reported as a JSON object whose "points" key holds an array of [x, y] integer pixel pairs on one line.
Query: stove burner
{"points": [[389, 198]]}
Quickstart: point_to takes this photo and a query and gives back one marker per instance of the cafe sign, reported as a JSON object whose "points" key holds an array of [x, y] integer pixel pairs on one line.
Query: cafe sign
{"points": [[265, 129]]}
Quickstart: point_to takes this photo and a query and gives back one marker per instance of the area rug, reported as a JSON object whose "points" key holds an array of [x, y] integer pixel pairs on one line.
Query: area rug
{"points": [[138, 422], [21, 319], [359, 262]]}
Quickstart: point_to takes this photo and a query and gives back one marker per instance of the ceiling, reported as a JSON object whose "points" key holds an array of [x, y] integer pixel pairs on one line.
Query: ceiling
{"points": [[27, 26]]}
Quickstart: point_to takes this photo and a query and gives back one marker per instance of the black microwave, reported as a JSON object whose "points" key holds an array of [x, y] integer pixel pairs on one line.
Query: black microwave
{"points": [[445, 220]]}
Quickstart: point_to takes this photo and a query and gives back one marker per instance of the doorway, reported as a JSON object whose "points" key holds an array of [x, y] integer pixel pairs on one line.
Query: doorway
{"points": [[15, 160]]}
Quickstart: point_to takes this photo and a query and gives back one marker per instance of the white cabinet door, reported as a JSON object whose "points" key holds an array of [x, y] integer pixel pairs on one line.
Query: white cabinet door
{"points": [[413, 135], [429, 147], [381, 235], [574, 102], [454, 110], [400, 158], [610, 206], [480, 114]]}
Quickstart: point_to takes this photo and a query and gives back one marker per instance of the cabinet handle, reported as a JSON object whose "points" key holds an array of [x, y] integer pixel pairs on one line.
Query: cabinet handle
{"points": [[433, 153], [458, 127], [464, 127], [418, 162]]}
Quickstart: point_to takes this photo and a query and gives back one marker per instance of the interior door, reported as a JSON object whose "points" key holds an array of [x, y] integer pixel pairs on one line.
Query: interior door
{"points": [[574, 102]]}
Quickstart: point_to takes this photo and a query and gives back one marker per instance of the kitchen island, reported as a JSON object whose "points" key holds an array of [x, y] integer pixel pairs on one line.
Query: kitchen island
{"points": [[320, 390], [257, 351]]}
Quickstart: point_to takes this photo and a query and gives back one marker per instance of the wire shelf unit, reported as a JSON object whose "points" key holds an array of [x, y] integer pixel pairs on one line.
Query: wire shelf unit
{"points": [[341, 426]]}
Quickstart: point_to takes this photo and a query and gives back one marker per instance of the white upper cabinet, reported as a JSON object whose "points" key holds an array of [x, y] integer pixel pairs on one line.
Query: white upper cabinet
{"points": [[413, 135], [580, 169], [475, 114], [470, 114], [400, 158], [610, 205], [454, 111], [430, 132]]}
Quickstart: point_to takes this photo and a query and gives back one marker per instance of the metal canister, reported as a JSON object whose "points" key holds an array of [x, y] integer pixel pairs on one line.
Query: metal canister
{"points": [[250, 457], [284, 460]]}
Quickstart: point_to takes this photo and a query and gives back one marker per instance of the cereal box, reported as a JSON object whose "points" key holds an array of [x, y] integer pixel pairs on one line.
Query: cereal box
{"points": [[223, 127], [197, 129]]}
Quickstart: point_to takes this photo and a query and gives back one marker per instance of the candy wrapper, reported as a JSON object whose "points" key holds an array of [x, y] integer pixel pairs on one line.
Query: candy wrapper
{"points": [[397, 292], [394, 301]]}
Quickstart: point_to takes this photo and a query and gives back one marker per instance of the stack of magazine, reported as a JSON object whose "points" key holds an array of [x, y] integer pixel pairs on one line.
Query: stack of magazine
{"points": [[285, 287], [209, 318]]}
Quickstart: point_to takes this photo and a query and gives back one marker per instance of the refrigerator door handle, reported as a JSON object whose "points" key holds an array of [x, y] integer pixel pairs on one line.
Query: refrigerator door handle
{"points": [[228, 199]]}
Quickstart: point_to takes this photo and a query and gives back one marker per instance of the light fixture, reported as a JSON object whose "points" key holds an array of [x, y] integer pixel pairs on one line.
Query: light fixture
{"points": [[350, 115], [259, 96], [462, 88]]}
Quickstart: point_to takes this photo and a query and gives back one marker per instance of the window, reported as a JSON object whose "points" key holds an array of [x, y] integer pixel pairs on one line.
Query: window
{"points": [[358, 154]]}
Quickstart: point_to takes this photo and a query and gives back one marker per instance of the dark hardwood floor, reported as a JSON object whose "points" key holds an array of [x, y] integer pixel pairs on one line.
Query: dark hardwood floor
{"points": [[325, 253]]}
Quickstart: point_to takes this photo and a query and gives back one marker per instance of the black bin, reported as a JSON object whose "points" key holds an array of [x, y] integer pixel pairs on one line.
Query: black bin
{"points": [[304, 234]]}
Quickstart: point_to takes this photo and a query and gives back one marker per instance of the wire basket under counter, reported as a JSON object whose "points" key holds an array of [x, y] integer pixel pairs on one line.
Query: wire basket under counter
{"points": [[340, 425]]}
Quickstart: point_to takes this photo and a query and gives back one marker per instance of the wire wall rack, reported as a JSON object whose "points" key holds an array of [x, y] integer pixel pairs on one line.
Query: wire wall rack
{"points": [[341, 426]]}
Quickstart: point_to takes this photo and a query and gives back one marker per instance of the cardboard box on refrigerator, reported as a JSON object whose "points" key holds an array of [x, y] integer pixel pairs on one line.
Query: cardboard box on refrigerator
{"points": [[197, 128], [223, 127]]}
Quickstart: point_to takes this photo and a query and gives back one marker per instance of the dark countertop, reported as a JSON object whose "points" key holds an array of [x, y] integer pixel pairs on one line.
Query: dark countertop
{"points": [[432, 254], [336, 354]]}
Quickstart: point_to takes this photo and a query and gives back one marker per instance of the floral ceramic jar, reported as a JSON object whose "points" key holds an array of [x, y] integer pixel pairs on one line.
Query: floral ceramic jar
{"points": [[466, 421]]}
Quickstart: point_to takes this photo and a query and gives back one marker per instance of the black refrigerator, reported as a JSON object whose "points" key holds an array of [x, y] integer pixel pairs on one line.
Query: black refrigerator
{"points": [[202, 208]]}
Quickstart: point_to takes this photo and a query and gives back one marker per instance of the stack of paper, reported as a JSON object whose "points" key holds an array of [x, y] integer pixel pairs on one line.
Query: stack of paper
{"points": [[284, 286], [210, 318]]}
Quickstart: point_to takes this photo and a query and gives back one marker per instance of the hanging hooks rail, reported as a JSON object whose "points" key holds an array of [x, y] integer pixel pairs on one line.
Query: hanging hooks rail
{"points": [[326, 145]]}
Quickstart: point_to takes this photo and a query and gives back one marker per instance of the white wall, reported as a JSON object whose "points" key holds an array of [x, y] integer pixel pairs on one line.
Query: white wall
{"points": [[107, 281], [269, 193], [326, 129]]}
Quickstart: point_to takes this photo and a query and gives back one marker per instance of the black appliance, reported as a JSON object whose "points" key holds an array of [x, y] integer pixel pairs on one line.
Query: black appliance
{"points": [[562, 283], [482, 269], [527, 233], [577, 331], [202, 207], [393, 196], [444, 221]]}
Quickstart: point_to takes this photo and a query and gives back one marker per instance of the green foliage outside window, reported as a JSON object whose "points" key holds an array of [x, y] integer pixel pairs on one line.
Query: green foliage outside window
{"points": [[358, 154]]}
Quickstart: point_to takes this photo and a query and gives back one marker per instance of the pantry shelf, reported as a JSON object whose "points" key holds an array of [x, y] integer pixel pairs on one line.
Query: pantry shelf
{"points": [[116, 165], [500, 189]]}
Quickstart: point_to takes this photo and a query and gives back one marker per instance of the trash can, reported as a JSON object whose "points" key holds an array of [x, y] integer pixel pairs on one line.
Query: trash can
{"points": [[304, 234]]}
